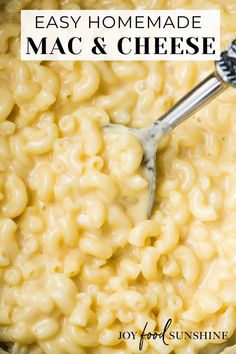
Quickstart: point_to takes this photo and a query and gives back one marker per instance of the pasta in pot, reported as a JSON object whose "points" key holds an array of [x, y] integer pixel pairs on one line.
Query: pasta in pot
{"points": [[79, 262]]}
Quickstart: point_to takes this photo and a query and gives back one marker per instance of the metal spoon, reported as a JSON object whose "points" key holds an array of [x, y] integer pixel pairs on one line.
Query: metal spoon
{"points": [[223, 77]]}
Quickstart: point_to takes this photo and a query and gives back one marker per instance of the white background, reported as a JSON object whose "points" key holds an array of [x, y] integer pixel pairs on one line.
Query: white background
{"points": [[210, 23]]}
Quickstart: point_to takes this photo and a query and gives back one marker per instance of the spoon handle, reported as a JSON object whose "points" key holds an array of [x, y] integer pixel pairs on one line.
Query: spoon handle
{"points": [[194, 100], [213, 85]]}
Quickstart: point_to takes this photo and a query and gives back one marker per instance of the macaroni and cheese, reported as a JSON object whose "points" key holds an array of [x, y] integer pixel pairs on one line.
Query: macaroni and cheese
{"points": [[79, 261]]}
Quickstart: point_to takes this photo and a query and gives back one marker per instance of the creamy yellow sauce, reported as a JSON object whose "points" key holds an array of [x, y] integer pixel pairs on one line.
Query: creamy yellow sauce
{"points": [[79, 262]]}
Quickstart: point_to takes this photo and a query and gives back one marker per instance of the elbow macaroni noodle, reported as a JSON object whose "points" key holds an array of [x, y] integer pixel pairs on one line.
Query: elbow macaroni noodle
{"points": [[79, 262]]}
